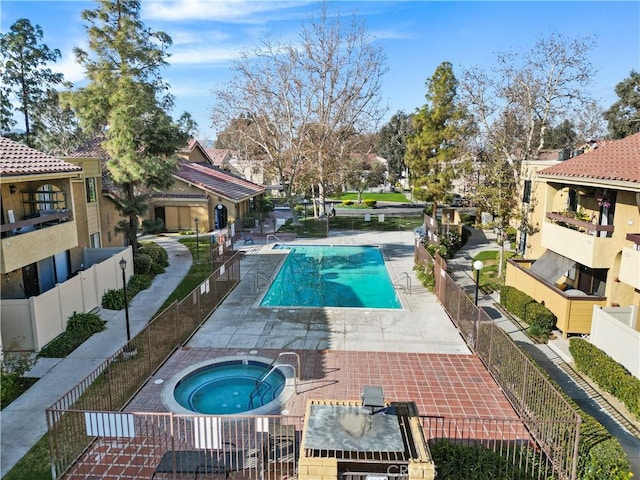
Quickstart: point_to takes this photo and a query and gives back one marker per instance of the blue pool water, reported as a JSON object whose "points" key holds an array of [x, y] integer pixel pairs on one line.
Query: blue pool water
{"points": [[332, 276], [225, 388]]}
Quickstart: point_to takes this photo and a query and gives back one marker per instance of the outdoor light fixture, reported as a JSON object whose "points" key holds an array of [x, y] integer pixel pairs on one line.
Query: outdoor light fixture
{"points": [[12, 189], [123, 267], [477, 266]]}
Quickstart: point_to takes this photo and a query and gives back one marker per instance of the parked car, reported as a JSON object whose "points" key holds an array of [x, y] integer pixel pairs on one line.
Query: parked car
{"points": [[457, 200]]}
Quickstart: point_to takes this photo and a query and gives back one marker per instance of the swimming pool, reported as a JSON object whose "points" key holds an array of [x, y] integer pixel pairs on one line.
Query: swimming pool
{"points": [[228, 386], [332, 276]]}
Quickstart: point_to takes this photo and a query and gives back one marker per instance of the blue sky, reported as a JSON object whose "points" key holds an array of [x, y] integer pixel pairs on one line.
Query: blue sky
{"points": [[416, 37]]}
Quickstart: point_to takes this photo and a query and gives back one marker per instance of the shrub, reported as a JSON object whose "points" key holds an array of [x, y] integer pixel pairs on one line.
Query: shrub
{"points": [[153, 226], [138, 283], [425, 274], [142, 263], [113, 299], [606, 373], [528, 310], [85, 323], [299, 209], [156, 252], [80, 326], [347, 203], [370, 203], [475, 462], [12, 367]]}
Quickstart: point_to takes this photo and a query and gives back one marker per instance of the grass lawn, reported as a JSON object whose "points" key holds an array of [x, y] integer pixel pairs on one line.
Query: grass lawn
{"points": [[489, 279], [316, 228], [35, 465], [200, 269], [380, 197]]}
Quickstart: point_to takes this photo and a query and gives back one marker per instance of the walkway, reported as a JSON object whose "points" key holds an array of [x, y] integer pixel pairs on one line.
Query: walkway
{"points": [[23, 422], [554, 356]]}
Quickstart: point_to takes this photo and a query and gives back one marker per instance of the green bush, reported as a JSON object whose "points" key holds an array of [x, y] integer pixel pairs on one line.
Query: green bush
{"points": [[153, 226], [138, 283], [158, 254], [80, 326], [370, 203], [606, 373], [347, 203], [142, 263], [527, 309], [113, 299], [12, 367], [475, 462], [425, 274]]}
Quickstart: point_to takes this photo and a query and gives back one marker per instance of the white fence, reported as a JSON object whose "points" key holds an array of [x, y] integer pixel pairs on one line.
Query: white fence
{"points": [[29, 324], [615, 331]]}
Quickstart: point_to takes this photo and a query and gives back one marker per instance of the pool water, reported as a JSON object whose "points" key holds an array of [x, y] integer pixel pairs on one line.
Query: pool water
{"points": [[332, 276], [229, 387]]}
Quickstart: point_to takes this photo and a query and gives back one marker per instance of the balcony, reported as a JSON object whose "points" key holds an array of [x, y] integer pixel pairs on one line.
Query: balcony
{"points": [[630, 263], [584, 242], [34, 239], [573, 310]]}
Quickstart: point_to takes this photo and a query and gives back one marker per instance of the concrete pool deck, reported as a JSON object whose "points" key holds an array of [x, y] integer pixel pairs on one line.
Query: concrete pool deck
{"points": [[422, 326]]}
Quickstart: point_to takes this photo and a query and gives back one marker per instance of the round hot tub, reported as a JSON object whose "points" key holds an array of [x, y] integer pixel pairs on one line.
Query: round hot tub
{"points": [[228, 386]]}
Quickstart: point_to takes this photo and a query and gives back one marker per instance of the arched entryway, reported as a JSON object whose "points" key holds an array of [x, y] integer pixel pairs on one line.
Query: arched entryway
{"points": [[220, 216]]}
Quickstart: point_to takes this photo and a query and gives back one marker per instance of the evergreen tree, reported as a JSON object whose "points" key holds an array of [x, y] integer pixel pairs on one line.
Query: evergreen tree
{"points": [[624, 115], [393, 142], [126, 102], [436, 144], [26, 77]]}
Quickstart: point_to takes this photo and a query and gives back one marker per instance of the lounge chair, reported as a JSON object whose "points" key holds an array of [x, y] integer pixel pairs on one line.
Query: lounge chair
{"points": [[247, 236]]}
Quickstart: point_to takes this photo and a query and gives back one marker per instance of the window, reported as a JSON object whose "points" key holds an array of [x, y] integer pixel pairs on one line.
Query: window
{"points": [[526, 195], [91, 190]]}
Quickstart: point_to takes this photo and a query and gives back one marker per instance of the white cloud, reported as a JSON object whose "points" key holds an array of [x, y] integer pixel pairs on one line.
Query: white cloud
{"points": [[203, 54], [68, 66], [184, 37], [242, 11]]}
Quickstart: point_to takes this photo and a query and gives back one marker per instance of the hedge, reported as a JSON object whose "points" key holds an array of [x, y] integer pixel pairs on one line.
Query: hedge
{"points": [[80, 326], [606, 373], [527, 309]]}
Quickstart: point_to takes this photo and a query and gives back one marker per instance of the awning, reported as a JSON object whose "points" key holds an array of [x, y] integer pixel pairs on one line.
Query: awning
{"points": [[551, 266]]}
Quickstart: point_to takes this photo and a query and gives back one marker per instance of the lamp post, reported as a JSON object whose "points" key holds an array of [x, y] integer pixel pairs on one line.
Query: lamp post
{"points": [[304, 202], [123, 267], [477, 266], [197, 242]]}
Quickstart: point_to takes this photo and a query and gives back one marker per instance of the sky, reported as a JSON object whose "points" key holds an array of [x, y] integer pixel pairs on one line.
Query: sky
{"points": [[416, 36]]}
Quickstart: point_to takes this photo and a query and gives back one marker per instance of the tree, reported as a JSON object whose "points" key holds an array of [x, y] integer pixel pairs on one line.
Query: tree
{"points": [[126, 102], [307, 101], [562, 136], [525, 93], [528, 91], [26, 77], [437, 141], [393, 142], [623, 116]]}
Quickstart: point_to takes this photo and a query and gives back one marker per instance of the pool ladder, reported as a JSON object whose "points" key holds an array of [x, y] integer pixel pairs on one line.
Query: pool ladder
{"points": [[266, 280], [397, 284], [272, 369]]}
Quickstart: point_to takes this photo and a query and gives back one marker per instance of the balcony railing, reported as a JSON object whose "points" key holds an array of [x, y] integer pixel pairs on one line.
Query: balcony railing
{"points": [[590, 247], [574, 313], [35, 223], [580, 225], [635, 238]]}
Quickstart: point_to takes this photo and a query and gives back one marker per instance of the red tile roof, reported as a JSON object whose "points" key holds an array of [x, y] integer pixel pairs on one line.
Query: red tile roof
{"points": [[617, 160], [217, 181], [18, 159], [91, 149]]}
